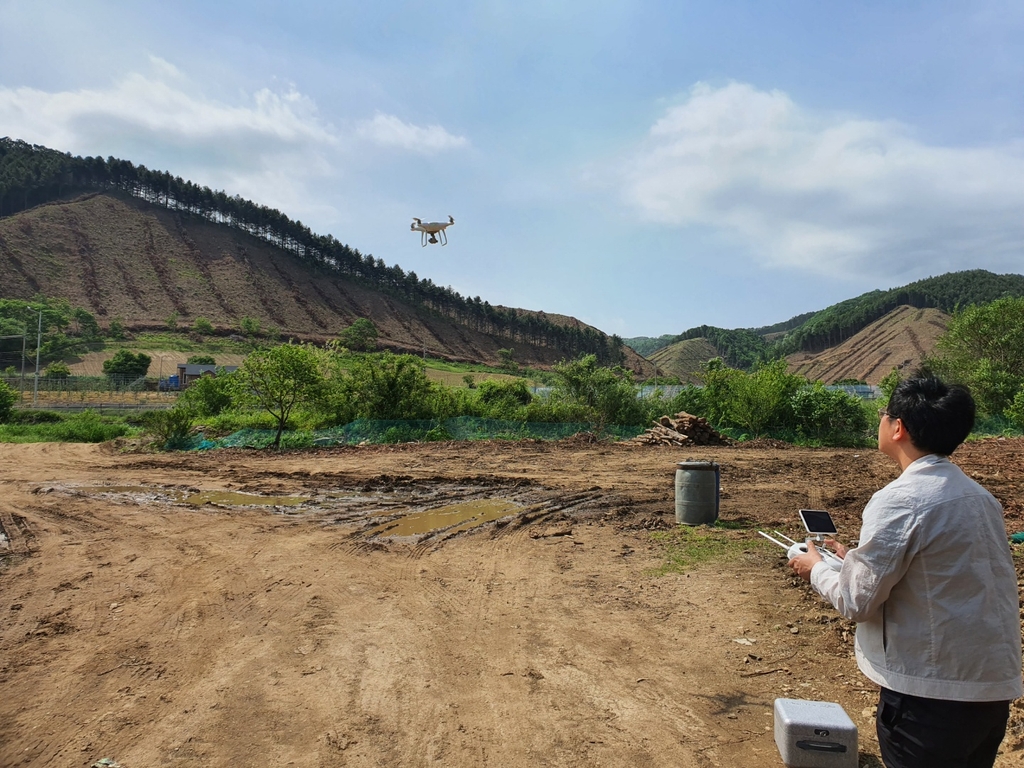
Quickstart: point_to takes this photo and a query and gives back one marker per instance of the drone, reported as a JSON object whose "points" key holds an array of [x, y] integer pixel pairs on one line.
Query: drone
{"points": [[432, 231]]}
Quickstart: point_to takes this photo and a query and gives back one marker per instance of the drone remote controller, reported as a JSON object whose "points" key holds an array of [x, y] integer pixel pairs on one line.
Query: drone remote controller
{"points": [[796, 548], [830, 559]]}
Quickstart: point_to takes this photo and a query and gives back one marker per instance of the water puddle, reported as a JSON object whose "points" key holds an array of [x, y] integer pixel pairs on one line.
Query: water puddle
{"points": [[453, 518], [198, 499], [237, 499]]}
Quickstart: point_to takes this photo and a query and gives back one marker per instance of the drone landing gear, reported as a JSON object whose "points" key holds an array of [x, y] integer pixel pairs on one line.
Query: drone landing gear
{"points": [[433, 238]]}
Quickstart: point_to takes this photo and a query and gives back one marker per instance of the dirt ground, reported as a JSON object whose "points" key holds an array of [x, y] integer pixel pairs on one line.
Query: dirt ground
{"points": [[141, 625]]}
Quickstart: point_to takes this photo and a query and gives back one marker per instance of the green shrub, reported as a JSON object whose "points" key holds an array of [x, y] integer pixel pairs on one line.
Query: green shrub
{"points": [[30, 416], [829, 416], [761, 400], [608, 395], [689, 399], [1015, 412], [202, 326], [388, 386], [983, 347], [127, 365], [58, 369], [209, 395], [8, 397], [503, 399], [361, 336], [170, 428]]}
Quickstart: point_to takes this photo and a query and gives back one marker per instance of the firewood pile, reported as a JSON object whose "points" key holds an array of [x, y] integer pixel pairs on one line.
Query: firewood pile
{"points": [[681, 429]]}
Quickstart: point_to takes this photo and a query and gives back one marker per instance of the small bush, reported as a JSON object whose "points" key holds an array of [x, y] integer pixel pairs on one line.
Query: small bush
{"points": [[58, 369], [170, 428], [1015, 412], [829, 416], [8, 397], [29, 416], [209, 395], [202, 326]]}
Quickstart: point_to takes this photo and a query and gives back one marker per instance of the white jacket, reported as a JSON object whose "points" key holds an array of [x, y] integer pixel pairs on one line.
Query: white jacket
{"points": [[932, 588]]}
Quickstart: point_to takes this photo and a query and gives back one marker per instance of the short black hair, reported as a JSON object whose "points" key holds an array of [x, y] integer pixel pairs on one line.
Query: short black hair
{"points": [[938, 416]]}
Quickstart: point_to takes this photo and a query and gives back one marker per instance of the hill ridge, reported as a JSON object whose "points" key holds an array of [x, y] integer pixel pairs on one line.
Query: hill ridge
{"points": [[32, 174], [121, 257]]}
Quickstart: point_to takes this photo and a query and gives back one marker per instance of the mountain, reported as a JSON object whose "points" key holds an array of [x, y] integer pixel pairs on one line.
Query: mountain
{"points": [[900, 339], [860, 338], [684, 358], [141, 247]]}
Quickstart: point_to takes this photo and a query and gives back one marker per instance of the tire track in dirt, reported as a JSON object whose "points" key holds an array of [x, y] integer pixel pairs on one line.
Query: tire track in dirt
{"points": [[17, 530]]}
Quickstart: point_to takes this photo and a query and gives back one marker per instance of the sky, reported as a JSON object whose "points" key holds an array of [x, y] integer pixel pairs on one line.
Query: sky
{"points": [[644, 166]]}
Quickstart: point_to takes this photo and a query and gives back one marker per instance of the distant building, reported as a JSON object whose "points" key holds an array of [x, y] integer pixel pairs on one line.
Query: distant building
{"points": [[189, 373]]}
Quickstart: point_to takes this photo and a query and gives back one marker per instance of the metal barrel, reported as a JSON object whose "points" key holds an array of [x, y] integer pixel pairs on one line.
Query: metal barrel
{"points": [[697, 492]]}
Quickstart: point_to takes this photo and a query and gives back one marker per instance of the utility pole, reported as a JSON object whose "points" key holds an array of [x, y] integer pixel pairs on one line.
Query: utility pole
{"points": [[39, 343], [24, 337]]}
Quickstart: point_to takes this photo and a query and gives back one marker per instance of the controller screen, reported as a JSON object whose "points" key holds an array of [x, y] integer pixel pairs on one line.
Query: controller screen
{"points": [[817, 521]]}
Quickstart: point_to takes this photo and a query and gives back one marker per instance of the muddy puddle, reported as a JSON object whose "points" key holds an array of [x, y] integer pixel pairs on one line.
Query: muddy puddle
{"points": [[452, 518], [199, 498], [408, 514]]}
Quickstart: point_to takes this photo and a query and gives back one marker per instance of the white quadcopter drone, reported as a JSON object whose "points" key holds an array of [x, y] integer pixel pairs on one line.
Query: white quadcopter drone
{"points": [[432, 231]]}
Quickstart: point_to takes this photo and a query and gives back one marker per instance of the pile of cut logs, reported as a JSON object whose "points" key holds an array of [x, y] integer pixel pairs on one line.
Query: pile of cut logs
{"points": [[681, 429]]}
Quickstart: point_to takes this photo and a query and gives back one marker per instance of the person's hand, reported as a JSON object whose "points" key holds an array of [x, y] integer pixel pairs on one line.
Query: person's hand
{"points": [[836, 547], [802, 565]]}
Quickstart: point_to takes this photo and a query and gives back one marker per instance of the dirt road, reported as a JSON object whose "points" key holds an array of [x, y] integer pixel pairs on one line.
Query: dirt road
{"points": [[148, 615]]}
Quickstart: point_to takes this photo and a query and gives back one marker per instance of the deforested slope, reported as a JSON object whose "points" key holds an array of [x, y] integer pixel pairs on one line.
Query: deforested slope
{"points": [[901, 339], [684, 358], [123, 258], [143, 245]]}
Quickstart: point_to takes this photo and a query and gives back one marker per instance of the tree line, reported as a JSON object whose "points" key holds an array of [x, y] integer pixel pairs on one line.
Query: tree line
{"points": [[31, 175]]}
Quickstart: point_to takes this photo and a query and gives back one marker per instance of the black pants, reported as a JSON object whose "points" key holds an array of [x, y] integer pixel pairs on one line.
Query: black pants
{"points": [[915, 732]]}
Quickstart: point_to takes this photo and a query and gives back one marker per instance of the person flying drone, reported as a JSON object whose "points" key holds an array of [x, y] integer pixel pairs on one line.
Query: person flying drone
{"points": [[432, 231]]}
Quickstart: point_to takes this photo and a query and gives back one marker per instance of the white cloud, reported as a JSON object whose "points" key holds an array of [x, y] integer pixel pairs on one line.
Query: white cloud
{"points": [[828, 193], [390, 131], [269, 145]]}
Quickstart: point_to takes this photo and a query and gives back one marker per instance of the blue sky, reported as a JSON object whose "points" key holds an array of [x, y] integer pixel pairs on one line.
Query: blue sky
{"points": [[643, 166]]}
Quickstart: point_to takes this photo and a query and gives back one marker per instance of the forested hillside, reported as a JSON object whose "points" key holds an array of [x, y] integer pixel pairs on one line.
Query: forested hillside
{"points": [[946, 292], [142, 245], [818, 331]]}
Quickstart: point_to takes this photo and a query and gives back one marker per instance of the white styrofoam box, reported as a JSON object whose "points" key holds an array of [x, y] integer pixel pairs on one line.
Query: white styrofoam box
{"points": [[814, 734]]}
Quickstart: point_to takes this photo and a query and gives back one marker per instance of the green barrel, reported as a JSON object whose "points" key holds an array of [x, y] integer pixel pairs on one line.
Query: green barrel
{"points": [[697, 492]]}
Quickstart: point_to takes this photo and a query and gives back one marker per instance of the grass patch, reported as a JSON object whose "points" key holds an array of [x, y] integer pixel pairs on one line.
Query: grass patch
{"points": [[84, 427], [179, 342], [688, 547]]}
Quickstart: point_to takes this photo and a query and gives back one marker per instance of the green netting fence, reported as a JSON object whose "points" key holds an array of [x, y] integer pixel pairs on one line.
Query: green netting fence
{"points": [[372, 431]]}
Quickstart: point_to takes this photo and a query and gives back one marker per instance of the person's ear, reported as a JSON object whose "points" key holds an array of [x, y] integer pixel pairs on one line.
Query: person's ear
{"points": [[899, 432]]}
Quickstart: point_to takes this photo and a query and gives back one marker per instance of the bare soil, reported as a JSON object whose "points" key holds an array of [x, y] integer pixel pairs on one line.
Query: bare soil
{"points": [[902, 340], [138, 627]]}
